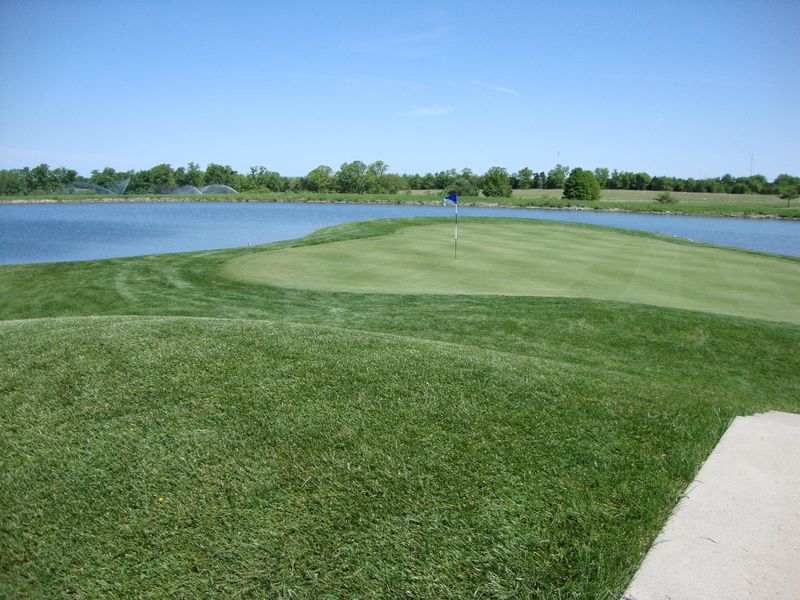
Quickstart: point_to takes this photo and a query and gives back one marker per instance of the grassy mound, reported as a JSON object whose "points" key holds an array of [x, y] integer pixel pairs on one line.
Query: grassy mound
{"points": [[312, 443], [188, 457], [531, 258]]}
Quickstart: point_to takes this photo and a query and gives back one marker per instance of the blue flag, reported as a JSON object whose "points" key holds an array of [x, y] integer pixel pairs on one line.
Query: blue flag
{"points": [[452, 197]]}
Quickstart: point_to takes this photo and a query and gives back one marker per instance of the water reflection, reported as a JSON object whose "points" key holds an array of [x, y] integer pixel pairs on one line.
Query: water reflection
{"points": [[61, 232]]}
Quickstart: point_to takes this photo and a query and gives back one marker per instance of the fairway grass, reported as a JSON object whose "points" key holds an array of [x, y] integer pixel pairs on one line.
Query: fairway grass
{"points": [[530, 258], [169, 431]]}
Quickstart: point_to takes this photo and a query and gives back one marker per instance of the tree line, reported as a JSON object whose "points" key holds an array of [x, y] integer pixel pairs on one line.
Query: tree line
{"points": [[357, 177]]}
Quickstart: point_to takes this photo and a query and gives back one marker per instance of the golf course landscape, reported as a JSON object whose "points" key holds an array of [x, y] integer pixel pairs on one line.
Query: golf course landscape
{"points": [[358, 413]]}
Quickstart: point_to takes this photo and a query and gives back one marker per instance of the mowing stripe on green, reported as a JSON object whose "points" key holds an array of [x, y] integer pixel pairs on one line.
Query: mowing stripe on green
{"points": [[535, 258]]}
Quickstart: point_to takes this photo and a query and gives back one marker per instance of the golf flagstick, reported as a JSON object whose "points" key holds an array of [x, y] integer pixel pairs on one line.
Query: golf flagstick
{"points": [[454, 199], [455, 239]]}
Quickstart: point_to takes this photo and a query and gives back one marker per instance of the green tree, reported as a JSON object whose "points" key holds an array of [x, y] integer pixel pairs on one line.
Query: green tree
{"points": [[260, 178], [790, 193], [221, 174], [473, 179], [727, 182], [351, 178], [524, 178], [788, 187], [427, 182], [40, 178], [442, 180], [296, 184], [392, 183], [192, 175], [496, 183], [641, 181], [556, 177], [162, 178], [784, 180], [375, 177], [63, 177], [601, 174], [755, 184], [104, 178], [12, 182], [378, 168], [581, 185], [140, 183], [320, 179], [412, 182], [463, 185], [659, 184]]}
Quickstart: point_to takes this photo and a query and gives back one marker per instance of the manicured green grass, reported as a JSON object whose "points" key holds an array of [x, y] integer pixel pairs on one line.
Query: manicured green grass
{"points": [[311, 443], [535, 258]]}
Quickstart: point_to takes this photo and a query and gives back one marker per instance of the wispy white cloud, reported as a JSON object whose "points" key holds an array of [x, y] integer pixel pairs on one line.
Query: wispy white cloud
{"points": [[402, 41], [496, 88], [696, 80], [396, 83], [359, 80], [437, 110]]}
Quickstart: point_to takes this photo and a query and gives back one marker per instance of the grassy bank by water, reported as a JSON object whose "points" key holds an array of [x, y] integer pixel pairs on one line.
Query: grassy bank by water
{"points": [[746, 205], [169, 430]]}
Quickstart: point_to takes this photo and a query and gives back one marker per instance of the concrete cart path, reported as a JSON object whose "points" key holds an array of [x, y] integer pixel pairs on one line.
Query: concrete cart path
{"points": [[736, 532]]}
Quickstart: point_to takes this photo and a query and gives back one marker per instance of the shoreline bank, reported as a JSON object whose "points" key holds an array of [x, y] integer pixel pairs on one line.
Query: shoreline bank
{"points": [[246, 199]]}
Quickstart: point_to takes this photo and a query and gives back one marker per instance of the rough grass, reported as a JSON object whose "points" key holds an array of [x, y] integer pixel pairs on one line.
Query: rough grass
{"points": [[323, 444], [752, 205], [530, 258]]}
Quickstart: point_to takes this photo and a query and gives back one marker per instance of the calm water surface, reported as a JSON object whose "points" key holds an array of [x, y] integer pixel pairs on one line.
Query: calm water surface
{"points": [[62, 232]]}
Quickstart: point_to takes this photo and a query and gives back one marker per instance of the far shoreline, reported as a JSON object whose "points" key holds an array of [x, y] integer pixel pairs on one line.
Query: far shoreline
{"points": [[400, 199]]}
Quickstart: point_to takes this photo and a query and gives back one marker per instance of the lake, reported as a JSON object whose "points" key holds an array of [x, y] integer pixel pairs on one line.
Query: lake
{"points": [[65, 232]]}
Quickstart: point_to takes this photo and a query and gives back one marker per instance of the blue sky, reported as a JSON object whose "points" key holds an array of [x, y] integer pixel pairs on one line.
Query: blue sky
{"points": [[692, 89]]}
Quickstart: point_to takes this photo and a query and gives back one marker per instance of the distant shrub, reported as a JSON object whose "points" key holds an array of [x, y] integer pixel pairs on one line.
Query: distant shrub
{"points": [[581, 185], [790, 193], [666, 198], [496, 183], [463, 186]]}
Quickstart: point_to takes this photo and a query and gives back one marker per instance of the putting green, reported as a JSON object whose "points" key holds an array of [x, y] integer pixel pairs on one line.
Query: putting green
{"points": [[539, 258]]}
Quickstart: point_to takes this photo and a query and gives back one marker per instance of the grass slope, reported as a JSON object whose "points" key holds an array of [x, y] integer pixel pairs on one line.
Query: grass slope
{"points": [[533, 258], [325, 444]]}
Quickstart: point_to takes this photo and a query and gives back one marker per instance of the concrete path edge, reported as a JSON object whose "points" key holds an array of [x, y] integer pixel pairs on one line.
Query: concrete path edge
{"points": [[736, 531]]}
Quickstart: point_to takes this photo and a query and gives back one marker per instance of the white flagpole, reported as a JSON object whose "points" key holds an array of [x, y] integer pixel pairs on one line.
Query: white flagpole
{"points": [[455, 233], [455, 240]]}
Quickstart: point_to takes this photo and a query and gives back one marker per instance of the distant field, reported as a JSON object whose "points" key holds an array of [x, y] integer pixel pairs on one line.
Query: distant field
{"points": [[687, 202], [167, 430], [530, 258], [645, 201], [638, 196], [641, 201]]}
